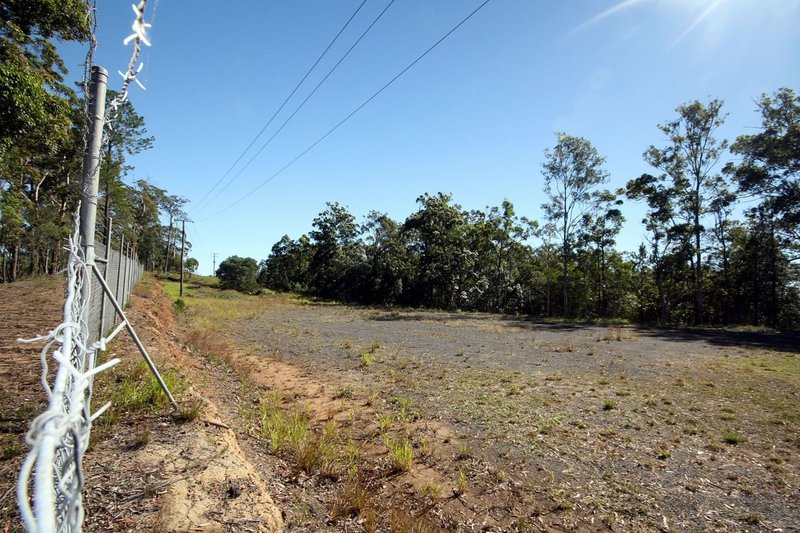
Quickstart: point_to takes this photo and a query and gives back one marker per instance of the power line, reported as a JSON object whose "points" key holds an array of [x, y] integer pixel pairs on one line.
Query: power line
{"points": [[197, 234], [303, 103], [356, 110], [283, 104]]}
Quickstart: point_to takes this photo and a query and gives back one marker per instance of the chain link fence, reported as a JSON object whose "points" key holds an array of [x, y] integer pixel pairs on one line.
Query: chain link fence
{"points": [[121, 271], [59, 437]]}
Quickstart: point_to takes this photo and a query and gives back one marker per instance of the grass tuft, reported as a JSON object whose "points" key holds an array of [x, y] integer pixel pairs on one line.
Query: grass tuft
{"points": [[10, 448], [344, 391], [401, 453], [732, 438], [353, 500], [461, 483]]}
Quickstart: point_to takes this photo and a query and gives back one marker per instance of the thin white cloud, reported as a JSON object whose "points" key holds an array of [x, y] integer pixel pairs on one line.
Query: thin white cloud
{"points": [[622, 6], [706, 12]]}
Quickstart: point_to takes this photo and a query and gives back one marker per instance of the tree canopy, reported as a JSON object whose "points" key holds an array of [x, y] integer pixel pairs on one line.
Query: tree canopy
{"points": [[698, 263], [42, 127]]}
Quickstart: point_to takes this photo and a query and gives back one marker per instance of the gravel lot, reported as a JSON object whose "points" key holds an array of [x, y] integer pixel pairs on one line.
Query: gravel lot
{"points": [[625, 428]]}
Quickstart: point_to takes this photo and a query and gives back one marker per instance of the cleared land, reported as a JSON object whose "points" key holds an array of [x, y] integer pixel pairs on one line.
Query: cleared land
{"points": [[403, 420], [553, 426]]}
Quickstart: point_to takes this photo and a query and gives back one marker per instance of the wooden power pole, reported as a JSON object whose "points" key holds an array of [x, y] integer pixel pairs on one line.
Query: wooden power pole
{"points": [[183, 248]]}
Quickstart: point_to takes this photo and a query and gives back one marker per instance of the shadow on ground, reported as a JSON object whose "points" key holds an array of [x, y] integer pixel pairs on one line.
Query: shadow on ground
{"points": [[784, 342], [780, 341]]}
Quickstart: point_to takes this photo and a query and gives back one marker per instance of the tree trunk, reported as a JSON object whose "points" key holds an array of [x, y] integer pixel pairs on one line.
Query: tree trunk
{"points": [[169, 243], [726, 317], [663, 312], [55, 261], [14, 262], [602, 293], [773, 277], [699, 297]]}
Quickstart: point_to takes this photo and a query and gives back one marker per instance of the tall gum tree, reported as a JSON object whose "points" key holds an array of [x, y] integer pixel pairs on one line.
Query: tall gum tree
{"points": [[37, 147], [572, 170], [689, 160]]}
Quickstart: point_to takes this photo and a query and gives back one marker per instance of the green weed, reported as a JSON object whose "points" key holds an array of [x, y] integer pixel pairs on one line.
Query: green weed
{"points": [[433, 490], [372, 397], [463, 451], [385, 423], [284, 431], [344, 391], [732, 438], [461, 483], [10, 449], [401, 453]]}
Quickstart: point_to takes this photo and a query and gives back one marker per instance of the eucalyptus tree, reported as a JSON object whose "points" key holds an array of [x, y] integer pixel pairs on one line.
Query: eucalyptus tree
{"points": [[392, 265], [172, 205], [146, 230], [337, 252], [600, 229], [438, 235], [769, 171], [34, 100], [688, 161], [287, 266], [667, 237], [497, 235], [39, 150], [572, 170], [126, 135], [721, 207]]}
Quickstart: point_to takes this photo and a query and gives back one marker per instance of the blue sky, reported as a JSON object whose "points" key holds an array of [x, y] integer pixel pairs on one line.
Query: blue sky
{"points": [[472, 118]]}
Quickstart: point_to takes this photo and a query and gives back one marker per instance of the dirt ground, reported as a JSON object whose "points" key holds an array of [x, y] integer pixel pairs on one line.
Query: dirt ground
{"points": [[514, 425], [586, 427], [27, 309]]}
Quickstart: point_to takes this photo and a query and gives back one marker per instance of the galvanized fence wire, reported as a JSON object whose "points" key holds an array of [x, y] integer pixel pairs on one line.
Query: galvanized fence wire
{"points": [[60, 435]]}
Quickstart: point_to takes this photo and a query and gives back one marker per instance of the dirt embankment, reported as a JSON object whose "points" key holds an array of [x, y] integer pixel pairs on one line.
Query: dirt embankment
{"points": [[147, 469]]}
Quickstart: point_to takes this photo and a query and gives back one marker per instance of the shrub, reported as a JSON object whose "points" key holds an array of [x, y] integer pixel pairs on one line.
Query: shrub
{"points": [[239, 273]]}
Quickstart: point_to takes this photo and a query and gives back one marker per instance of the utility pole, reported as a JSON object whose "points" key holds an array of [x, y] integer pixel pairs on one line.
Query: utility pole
{"points": [[183, 247], [214, 264]]}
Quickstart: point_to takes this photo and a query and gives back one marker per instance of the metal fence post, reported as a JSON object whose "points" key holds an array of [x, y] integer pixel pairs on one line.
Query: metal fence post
{"points": [[130, 275], [119, 272], [91, 163], [183, 247], [49, 463], [105, 273], [124, 295]]}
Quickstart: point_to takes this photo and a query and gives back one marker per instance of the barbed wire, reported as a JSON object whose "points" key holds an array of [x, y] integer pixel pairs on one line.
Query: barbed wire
{"points": [[91, 21], [138, 37]]}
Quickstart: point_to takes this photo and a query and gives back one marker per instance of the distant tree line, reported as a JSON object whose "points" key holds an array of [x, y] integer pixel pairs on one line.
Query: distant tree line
{"points": [[699, 264], [42, 129]]}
